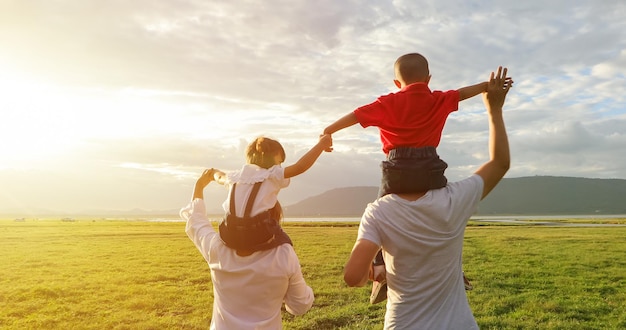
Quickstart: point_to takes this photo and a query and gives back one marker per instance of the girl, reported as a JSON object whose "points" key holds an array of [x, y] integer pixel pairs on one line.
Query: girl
{"points": [[251, 281]]}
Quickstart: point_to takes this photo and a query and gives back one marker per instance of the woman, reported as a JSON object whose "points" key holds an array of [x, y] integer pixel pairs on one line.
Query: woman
{"points": [[250, 286]]}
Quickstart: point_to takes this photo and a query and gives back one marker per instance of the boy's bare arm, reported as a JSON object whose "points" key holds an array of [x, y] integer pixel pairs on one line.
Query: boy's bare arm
{"points": [[341, 123], [471, 91]]}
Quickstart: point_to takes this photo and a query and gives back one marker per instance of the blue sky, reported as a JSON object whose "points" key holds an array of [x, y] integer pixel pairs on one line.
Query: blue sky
{"points": [[120, 104]]}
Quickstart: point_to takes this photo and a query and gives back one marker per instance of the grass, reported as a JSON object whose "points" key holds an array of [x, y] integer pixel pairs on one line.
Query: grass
{"points": [[93, 274]]}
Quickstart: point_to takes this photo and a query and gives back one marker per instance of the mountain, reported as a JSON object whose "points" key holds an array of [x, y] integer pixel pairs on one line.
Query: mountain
{"points": [[537, 195], [339, 202], [556, 195]]}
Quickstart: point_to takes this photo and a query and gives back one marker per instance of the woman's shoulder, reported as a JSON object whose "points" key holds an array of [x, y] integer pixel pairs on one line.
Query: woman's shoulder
{"points": [[286, 251]]}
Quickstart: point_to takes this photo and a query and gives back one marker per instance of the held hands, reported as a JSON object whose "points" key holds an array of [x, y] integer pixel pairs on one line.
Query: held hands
{"points": [[203, 181], [497, 88], [206, 178], [326, 141]]}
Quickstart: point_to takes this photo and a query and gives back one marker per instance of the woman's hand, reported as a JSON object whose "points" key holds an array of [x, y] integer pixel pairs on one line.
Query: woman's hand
{"points": [[202, 182]]}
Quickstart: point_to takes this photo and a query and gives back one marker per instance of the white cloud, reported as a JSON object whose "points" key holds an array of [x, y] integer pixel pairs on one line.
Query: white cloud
{"points": [[175, 86]]}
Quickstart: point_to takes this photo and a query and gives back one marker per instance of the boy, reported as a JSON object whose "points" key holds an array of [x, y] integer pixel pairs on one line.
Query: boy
{"points": [[410, 123], [412, 229]]}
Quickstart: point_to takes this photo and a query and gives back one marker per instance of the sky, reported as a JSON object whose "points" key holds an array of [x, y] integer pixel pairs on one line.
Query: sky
{"points": [[120, 105]]}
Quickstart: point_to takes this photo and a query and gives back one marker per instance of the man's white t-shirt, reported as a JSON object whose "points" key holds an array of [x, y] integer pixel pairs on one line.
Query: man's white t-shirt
{"points": [[422, 244]]}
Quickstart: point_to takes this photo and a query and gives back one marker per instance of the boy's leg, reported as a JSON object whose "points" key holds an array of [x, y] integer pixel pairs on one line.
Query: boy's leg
{"points": [[379, 285], [466, 282]]}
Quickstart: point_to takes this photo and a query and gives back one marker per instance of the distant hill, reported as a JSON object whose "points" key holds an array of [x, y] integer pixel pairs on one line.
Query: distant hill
{"points": [[556, 195], [339, 202], [538, 195]]}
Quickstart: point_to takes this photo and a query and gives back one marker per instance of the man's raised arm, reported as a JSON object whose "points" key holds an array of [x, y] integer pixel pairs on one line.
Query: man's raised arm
{"points": [[499, 156]]}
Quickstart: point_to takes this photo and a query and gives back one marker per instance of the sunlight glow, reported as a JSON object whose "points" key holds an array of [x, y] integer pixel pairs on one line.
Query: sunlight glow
{"points": [[42, 121], [32, 127]]}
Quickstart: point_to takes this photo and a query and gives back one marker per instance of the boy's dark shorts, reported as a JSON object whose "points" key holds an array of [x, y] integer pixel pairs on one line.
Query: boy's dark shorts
{"points": [[412, 170]]}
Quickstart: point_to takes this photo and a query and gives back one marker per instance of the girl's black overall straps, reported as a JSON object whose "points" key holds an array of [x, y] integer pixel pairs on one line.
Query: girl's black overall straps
{"points": [[246, 213]]}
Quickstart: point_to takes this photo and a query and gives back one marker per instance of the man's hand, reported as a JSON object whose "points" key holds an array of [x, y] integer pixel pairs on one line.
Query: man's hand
{"points": [[499, 155], [497, 88]]}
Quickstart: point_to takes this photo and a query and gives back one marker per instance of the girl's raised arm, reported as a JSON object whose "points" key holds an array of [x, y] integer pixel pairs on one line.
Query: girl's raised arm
{"points": [[306, 161], [219, 176]]}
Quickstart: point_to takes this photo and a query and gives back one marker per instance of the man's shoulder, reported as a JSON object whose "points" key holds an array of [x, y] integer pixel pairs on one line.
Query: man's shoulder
{"points": [[470, 188], [473, 181]]}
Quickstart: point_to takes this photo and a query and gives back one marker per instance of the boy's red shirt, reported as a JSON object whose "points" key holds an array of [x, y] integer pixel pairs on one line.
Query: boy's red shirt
{"points": [[412, 117]]}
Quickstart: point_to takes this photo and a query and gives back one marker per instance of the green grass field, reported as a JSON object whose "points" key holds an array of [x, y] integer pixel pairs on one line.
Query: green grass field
{"points": [[93, 274]]}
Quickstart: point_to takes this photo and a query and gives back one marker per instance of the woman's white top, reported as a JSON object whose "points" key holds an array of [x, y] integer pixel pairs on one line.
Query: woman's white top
{"points": [[248, 291]]}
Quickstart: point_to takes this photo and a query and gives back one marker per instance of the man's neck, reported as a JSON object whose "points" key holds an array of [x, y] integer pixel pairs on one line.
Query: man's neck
{"points": [[412, 196]]}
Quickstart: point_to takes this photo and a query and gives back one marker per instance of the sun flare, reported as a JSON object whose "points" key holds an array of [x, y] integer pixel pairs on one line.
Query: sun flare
{"points": [[33, 126]]}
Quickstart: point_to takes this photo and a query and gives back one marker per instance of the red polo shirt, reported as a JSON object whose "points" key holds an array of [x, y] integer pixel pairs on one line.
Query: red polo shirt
{"points": [[412, 117]]}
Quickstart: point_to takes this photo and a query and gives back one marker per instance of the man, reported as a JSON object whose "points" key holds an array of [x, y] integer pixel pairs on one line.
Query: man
{"points": [[421, 235]]}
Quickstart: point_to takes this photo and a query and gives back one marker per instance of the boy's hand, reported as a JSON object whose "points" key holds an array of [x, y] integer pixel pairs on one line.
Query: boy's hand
{"points": [[508, 81], [326, 141]]}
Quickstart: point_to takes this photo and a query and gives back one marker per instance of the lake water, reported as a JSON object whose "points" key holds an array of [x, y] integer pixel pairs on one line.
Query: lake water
{"points": [[330, 219], [553, 220], [548, 217], [538, 220], [304, 219], [546, 220]]}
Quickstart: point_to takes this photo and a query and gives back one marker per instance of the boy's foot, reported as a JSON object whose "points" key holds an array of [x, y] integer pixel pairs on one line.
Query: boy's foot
{"points": [[468, 285], [379, 291]]}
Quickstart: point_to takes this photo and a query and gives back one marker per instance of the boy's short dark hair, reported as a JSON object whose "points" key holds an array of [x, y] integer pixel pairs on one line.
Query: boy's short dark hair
{"points": [[412, 67]]}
